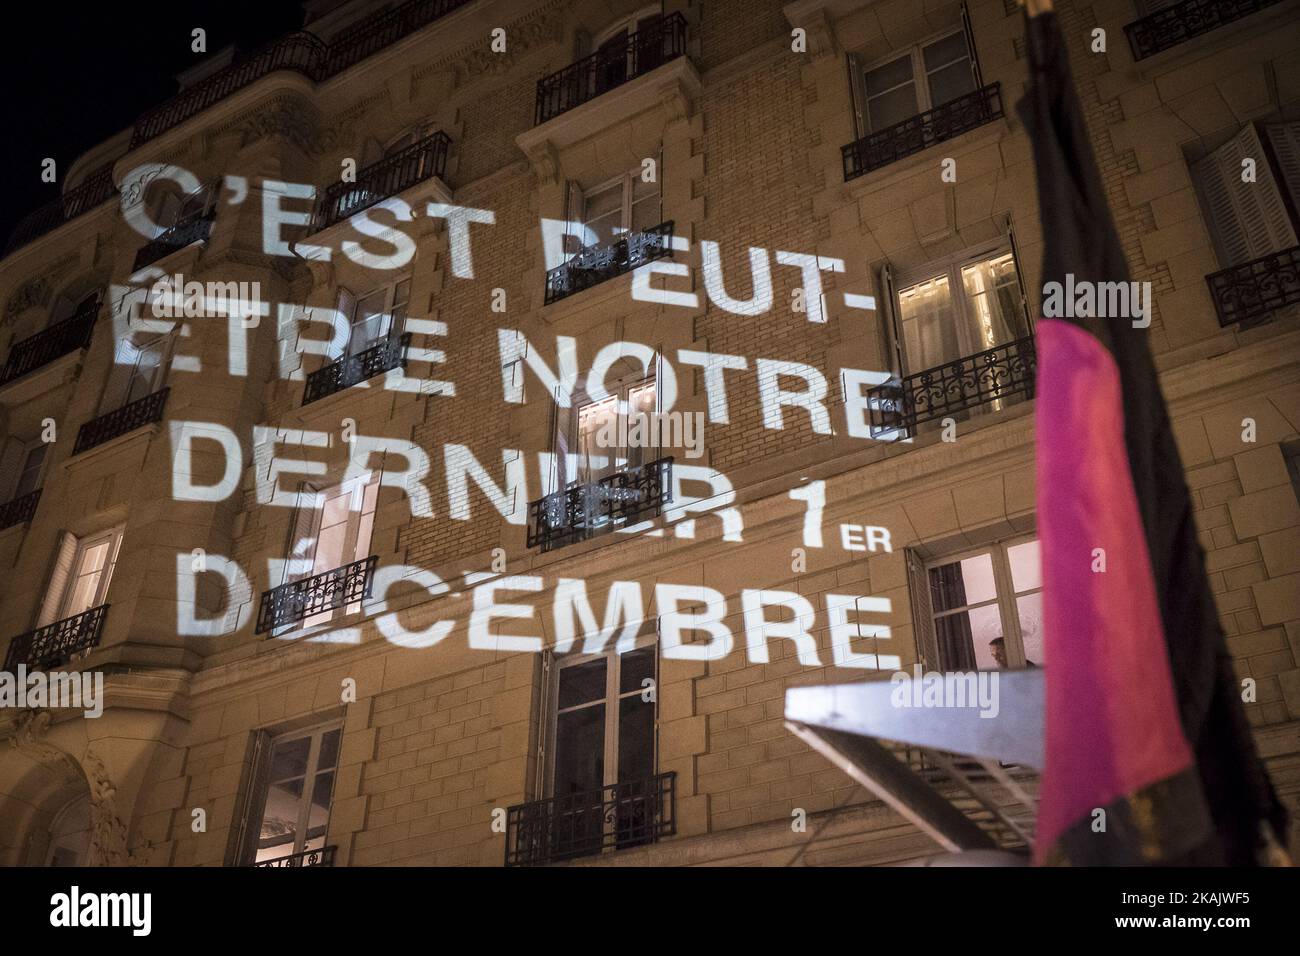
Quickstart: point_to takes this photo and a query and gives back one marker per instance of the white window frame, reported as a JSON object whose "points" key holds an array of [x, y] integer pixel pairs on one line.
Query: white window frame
{"points": [[390, 329], [620, 394], [29, 449], [627, 181], [1006, 596], [113, 536], [920, 76], [613, 674], [316, 734]]}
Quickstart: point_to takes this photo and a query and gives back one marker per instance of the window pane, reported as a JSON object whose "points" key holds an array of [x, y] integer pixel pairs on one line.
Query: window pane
{"points": [[929, 324], [279, 820], [942, 52], [582, 683], [580, 750], [893, 107], [604, 215], [950, 82], [318, 814], [636, 734], [962, 583], [1026, 571], [31, 473], [289, 759], [994, 293], [370, 323], [636, 666], [892, 74], [1029, 608], [329, 750], [986, 627]]}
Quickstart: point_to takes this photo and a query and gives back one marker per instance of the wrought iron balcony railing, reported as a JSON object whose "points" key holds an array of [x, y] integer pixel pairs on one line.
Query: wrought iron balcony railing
{"points": [[596, 264], [610, 67], [1256, 288], [572, 825], [56, 643], [1173, 25], [354, 369], [121, 420], [299, 600], [95, 189], [922, 131], [191, 229], [994, 375], [584, 508], [19, 510], [300, 52], [321, 857], [45, 346], [388, 177]]}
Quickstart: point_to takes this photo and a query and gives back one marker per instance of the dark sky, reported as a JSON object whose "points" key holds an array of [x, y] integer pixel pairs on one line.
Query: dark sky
{"points": [[75, 74]]}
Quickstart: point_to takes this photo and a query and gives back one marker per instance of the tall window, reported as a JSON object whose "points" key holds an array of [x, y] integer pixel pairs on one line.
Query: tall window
{"points": [[332, 536], [987, 608], [602, 734], [913, 80], [21, 465], [83, 570], [597, 423], [959, 307], [614, 208], [1250, 219], [140, 369], [377, 316], [291, 808], [632, 46]]}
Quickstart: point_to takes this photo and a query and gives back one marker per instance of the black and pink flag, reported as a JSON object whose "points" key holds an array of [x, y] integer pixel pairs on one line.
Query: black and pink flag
{"points": [[1149, 758]]}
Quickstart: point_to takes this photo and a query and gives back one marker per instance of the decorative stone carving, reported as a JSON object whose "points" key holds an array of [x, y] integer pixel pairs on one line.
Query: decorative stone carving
{"points": [[545, 160], [29, 740], [32, 293], [521, 39], [107, 831], [284, 116]]}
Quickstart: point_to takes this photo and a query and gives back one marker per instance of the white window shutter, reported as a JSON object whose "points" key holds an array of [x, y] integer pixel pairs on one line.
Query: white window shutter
{"points": [[1247, 220], [302, 532], [858, 96], [918, 586], [64, 554], [347, 306], [1285, 140]]}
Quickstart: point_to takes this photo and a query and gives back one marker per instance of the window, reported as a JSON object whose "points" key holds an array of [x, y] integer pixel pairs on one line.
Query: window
{"points": [[987, 608], [957, 308], [70, 834], [598, 422], [175, 209], [139, 370], [911, 81], [294, 790], [332, 536], [602, 734], [1248, 220], [630, 47], [616, 207], [83, 569], [377, 316], [20, 468]]}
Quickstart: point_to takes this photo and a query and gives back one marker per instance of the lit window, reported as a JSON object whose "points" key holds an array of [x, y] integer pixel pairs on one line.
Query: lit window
{"points": [[987, 608], [377, 316], [292, 807]]}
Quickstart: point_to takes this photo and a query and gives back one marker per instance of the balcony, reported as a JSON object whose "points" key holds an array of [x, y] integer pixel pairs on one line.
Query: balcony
{"points": [[354, 369], [195, 228], [388, 177], [922, 131], [44, 347], [1171, 26], [1254, 289], [610, 67], [299, 52], [321, 857], [299, 600], [583, 509], [19, 510], [614, 817], [118, 422], [991, 377], [56, 643], [596, 264], [95, 189]]}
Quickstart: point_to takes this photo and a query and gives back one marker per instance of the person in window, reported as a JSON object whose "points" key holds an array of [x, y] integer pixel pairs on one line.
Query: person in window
{"points": [[999, 648]]}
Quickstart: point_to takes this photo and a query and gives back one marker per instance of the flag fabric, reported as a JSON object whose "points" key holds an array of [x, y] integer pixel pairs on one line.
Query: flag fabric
{"points": [[1149, 758]]}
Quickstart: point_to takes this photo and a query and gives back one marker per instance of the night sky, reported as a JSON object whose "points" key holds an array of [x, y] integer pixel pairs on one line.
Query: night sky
{"points": [[76, 74]]}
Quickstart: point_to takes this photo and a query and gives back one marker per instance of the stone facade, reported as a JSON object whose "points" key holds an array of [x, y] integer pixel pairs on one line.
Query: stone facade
{"points": [[746, 134]]}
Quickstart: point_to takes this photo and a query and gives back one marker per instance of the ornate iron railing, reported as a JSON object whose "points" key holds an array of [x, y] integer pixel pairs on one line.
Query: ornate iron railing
{"points": [[95, 189], [1171, 26], [388, 177], [615, 817], [610, 67], [299, 600], [354, 369], [996, 374], [322, 857], [191, 229], [301, 52], [56, 643], [45, 346], [19, 510], [584, 508], [118, 422], [1254, 289], [922, 131], [595, 264]]}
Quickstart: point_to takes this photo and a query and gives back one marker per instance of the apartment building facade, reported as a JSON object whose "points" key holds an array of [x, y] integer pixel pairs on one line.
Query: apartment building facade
{"points": [[382, 573]]}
